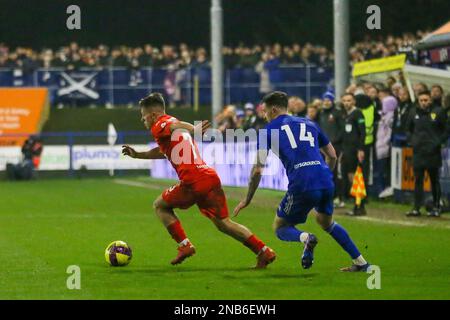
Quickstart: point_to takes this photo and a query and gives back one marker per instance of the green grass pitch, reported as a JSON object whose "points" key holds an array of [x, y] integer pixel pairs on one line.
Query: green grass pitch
{"points": [[48, 225]]}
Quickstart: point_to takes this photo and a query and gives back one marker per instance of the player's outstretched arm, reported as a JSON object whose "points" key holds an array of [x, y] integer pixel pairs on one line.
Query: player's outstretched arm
{"points": [[152, 154], [330, 156], [203, 126], [255, 179]]}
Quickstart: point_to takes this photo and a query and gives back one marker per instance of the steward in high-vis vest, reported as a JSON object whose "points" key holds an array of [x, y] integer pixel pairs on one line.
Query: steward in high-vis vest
{"points": [[367, 107]]}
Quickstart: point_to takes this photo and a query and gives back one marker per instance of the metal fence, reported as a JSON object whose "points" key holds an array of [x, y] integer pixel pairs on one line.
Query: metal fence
{"points": [[188, 86]]}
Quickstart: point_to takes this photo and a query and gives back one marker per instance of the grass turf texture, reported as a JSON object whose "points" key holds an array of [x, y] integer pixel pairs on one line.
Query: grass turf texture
{"points": [[47, 225]]}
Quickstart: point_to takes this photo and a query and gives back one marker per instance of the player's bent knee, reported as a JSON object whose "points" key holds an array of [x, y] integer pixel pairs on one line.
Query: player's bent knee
{"points": [[159, 204], [325, 221], [156, 204], [223, 225]]}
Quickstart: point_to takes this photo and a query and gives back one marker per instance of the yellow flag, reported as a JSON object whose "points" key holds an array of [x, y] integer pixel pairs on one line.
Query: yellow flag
{"points": [[358, 188]]}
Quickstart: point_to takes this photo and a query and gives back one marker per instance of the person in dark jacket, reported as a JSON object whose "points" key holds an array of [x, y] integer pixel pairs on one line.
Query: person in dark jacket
{"points": [[401, 116], [31, 152], [353, 143], [371, 118], [427, 132], [331, 122]]}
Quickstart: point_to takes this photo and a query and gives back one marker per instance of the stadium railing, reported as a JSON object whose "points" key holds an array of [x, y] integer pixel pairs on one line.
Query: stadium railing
{"points": [[188, 86]]}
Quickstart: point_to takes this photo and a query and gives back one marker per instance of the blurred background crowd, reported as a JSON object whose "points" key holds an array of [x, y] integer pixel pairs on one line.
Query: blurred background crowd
{"points": [[73, 56]]}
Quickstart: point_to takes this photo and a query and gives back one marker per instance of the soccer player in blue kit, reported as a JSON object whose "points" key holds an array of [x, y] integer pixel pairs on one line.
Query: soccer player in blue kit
{"points": [[298, 142]]}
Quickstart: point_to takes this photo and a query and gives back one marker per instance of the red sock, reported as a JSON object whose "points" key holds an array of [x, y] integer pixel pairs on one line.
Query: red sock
{"points": [[254, 244], [176, 231]]}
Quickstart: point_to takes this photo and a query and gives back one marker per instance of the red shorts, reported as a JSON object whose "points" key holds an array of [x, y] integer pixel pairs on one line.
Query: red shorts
{"points": [[207, 194]]}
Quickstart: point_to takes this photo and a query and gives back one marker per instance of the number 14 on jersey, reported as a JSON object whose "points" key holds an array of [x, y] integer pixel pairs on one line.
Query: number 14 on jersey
{"points": [[304, 136]]}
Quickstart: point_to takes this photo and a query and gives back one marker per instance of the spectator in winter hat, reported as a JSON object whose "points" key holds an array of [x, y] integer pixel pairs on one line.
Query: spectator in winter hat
{"points": [[240, 117], [328, 96]]}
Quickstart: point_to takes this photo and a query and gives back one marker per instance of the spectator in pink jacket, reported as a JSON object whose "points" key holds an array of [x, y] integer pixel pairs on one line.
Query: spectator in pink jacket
{"points": [[383, 144]]}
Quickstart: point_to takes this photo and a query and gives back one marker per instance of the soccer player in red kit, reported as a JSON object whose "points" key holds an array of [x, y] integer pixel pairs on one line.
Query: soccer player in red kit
{"points": [[199, 184]]}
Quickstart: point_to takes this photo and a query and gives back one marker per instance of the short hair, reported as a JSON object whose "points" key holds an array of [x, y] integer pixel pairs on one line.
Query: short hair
{"points": [[385, 90], [312, 106], [424, 92], [391, 78], [438, 87], [276, 99], [423, 85], [154, 99], [348, 94], [374, 87]]}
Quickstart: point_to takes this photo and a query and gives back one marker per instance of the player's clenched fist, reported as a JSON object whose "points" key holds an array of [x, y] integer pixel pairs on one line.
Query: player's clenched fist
{"points": [[128, 151]]}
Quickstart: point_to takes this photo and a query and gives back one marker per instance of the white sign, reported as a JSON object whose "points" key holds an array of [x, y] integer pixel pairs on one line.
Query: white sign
{"points": [[9, 155], [55, 158], [95, 157], [101, 157]]}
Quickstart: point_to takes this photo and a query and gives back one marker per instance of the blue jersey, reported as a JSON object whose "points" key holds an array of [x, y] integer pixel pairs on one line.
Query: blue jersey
{"points": [[298, 147]]}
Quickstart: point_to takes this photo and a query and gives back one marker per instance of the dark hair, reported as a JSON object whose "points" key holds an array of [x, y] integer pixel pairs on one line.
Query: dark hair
{"points": [[423, 85], [348, 94], [276, 99], [391, 78], [424, 92], [439, 87], [385, 90], [153, 100]]}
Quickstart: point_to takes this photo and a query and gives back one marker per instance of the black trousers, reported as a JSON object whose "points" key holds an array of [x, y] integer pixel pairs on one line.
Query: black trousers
{"points": [[419, 174], [368, 152], [339, 179]]}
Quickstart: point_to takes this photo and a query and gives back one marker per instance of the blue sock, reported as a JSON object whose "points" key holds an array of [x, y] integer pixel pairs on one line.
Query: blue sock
{"points": [[290, 234], [341, 236]]}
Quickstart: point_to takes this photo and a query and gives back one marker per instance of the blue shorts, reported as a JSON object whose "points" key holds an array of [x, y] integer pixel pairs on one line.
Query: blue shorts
{"points": [[295, 206]]}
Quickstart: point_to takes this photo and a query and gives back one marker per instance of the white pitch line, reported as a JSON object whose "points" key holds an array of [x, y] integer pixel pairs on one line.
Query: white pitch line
{"points": [[136, 184], [401, 223]]}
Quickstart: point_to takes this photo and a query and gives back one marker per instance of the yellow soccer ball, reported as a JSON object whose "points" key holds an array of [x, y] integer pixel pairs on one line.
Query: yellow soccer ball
{"points": [[118, 253]]}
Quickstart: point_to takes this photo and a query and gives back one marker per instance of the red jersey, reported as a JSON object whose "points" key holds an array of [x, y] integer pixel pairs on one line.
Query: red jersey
{"points": [[181, 150]]}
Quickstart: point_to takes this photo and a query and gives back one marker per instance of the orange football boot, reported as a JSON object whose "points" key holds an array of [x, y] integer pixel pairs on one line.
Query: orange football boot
{"points": [[184, 251], [264, 258]]}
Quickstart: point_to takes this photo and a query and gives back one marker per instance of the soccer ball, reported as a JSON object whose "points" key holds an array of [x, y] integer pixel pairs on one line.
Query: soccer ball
{"points": [[118, 253]]}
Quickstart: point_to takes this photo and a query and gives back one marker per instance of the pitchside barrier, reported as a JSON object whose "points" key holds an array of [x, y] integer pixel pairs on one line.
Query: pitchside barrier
{"points": [[73, 151]]}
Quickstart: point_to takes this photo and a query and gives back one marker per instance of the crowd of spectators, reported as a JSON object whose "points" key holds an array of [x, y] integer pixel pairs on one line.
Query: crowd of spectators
{"points": [[74, 56]]}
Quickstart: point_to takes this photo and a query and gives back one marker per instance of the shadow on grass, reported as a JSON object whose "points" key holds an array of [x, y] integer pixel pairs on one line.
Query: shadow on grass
{"points": [[225, 273], [177, 269]]}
